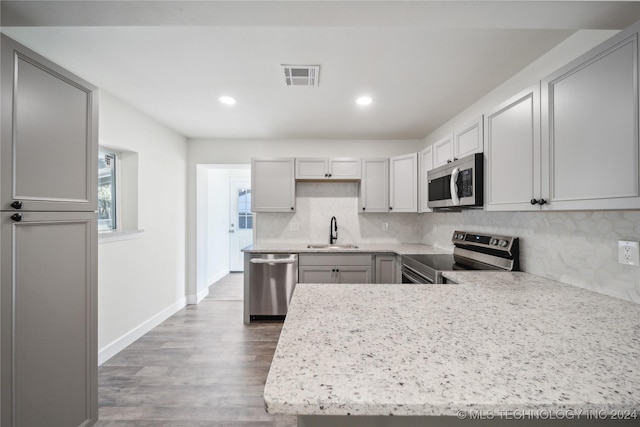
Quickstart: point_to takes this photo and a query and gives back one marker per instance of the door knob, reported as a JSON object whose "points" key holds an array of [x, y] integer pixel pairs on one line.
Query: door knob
{"points": [[17, 204], [16, 217]]}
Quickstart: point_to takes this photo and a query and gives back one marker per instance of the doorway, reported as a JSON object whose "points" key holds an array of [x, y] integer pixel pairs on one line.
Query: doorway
{"points": [[219, 204]]}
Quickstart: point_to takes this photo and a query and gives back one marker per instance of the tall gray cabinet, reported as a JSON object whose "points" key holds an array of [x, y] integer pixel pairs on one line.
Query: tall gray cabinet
{"points": [[48, 245]]}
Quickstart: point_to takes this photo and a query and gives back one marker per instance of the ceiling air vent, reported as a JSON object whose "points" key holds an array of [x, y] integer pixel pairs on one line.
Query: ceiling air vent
{"points": [[301, 75]]}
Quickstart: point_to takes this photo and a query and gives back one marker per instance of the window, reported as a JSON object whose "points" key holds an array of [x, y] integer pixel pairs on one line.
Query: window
{"points": [[245, 216], [107, 191]]}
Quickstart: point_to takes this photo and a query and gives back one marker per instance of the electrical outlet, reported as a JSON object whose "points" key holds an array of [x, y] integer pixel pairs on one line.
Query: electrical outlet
{"points": [[628, 252], [295, 226], [385, 226]]}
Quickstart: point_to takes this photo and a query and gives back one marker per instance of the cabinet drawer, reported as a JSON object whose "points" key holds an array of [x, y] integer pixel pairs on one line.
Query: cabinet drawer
{"points": [[334, 259]]}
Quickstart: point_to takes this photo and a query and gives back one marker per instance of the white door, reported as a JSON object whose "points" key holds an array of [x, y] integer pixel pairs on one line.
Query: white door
{"points": [[240, 223]]}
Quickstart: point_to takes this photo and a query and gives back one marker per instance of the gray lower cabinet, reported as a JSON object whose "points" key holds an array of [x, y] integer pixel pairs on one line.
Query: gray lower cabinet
{"points": [[48, 305], [335, 268], [387, 270]]}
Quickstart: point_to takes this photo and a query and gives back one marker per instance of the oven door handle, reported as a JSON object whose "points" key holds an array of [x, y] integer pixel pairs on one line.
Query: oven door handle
{"points": [[454, 187], [414, 276]]}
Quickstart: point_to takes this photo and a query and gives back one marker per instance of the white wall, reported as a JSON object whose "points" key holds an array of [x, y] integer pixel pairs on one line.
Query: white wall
{"points": [[574, 46], [141, 281], [579, 248], [240, 152]]}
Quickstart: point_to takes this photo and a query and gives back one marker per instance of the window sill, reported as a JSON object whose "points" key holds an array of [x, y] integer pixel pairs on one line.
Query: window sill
{"points": [[114, 236]]}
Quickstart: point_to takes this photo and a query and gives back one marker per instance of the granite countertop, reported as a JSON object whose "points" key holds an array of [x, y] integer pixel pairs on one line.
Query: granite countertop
{"points": [[495, 342], [397, 248]]}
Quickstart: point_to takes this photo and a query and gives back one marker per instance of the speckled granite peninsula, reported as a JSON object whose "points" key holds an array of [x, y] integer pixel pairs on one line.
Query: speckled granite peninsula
{"points": [[495, 343]]}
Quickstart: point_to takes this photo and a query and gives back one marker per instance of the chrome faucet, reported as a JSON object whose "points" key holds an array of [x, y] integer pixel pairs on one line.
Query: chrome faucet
{"points": [[333, 228]]}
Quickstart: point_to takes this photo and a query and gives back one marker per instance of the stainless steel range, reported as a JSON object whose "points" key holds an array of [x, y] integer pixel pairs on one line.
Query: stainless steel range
{"points": [[472, 251]]}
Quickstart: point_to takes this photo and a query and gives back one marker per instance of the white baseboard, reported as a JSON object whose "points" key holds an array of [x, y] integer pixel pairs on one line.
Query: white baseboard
{"points": [[113, 348], [195, 299]]}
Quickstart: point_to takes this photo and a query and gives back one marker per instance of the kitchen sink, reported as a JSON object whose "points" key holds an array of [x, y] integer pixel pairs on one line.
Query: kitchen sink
{"points": [[327, 246]]}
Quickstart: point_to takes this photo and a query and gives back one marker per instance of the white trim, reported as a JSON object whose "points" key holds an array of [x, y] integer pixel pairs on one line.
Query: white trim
{"points": [[113, 348], [195, 299], [116, 235]]}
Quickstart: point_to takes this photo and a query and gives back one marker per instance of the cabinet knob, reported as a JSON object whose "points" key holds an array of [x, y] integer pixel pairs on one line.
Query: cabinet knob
{"points": [[329, 175], [455, 158], [542, 202], [17, 204], [448, 160], [534, 201], [363, 208], [390, 208], [292, 208], [16, 217], [326, 175]]}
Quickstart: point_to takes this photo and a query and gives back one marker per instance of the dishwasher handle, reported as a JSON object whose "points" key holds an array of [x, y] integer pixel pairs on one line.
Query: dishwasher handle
{"points": [[291, 260]]}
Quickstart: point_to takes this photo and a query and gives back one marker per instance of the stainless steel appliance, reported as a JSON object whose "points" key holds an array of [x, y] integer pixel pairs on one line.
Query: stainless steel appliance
{"points": [[272, 279], [472, 251], [457, 184]]}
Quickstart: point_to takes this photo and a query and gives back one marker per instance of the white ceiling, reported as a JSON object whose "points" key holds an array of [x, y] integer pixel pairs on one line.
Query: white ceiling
{"points": [[422, 62]]}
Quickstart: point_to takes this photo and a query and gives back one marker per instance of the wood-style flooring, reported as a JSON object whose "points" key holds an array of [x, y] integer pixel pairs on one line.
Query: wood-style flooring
{"points": [[201, 367]]}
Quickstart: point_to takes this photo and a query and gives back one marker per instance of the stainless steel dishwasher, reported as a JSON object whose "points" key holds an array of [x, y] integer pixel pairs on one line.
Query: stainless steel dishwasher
{"points": [[272, 279]]}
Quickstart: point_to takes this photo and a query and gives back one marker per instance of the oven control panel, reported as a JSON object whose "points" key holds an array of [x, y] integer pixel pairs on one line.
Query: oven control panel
{"points": [[504, 243]]}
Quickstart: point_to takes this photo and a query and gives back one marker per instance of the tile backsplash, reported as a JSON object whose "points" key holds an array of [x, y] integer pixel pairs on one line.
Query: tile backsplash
{"points": [[578, 248], [317, 202]]}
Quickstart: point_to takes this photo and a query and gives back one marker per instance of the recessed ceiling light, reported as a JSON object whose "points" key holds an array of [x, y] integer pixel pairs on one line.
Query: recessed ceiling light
{"points": [[364, 100], [227, 100]]}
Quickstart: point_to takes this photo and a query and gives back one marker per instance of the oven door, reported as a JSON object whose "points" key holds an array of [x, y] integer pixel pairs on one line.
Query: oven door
{"points": [[410, 275]]}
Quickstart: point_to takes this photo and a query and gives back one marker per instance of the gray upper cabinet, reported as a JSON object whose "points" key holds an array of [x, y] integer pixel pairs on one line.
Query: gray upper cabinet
{"points": [[468, 140], [374, 187], [403, 183], [345, 169], [590, 129], [49, 135], [425, 163], [273, 185], [442, 151], [513, 152]]}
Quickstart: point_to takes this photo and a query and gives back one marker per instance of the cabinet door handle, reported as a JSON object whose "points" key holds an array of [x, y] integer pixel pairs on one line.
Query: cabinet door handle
{"points": [[542, 202], [534, 201], [17, 204], [16, 217]]}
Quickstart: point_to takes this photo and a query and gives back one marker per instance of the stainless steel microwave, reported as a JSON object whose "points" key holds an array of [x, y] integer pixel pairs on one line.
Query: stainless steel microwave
{"points": [[457, 184]]}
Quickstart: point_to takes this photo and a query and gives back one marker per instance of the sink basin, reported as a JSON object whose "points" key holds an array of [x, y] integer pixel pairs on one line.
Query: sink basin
{"points": [[327, 246]]}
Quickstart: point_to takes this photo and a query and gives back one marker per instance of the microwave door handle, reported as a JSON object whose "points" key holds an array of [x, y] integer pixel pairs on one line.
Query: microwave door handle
{"points": [[454, 187]]}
